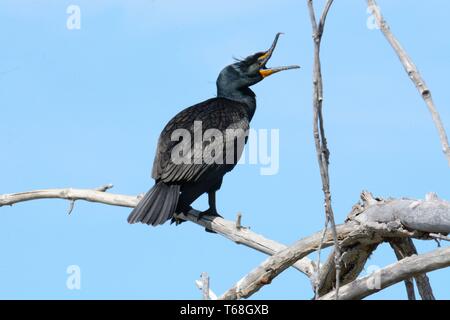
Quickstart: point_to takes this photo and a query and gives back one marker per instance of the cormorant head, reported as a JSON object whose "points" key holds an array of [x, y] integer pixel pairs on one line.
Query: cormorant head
{"points": [[249, 71]]}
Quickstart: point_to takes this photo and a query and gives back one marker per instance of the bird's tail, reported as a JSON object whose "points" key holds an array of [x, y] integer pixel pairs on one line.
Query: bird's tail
{"points": [[157, 206]]}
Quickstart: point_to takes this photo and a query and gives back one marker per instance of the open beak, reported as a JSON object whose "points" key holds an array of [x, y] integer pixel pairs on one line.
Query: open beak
{"points": [[264, 71]]}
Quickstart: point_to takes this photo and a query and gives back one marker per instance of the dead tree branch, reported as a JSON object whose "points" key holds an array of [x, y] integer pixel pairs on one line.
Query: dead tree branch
{"points": [[431, 215], [320, 139], [404, 247], [223, 227], [413, 74], [369, 223], [353, 260], [372, 222], [205, 286], [394, 273], [397, 246]]}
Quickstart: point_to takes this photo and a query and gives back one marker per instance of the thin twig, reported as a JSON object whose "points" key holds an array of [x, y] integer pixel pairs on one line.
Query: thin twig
{"points": [[316, 283], [438, 236], [205, 285], [322, 150], [413, 74], [103, 188], [238, 220], [202, 284]]}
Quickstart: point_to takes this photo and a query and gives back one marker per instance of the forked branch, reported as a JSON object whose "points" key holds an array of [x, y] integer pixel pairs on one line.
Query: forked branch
{"points": [[372, 222], [320, 139]]}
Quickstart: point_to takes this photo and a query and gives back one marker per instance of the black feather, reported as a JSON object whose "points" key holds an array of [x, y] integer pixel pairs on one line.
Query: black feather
{"points": [[157, 206]]}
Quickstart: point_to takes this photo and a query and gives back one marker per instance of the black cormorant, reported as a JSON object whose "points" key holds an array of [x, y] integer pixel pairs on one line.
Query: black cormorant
{"points": [[181, 170]]}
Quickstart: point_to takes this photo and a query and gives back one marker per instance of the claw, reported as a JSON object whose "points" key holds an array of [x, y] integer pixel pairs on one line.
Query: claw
{"points": [[209, 212], [177, 221], [201, 215]]}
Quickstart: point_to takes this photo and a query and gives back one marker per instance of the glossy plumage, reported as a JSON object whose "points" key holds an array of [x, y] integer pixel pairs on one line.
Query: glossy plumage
{"points": [[178, 184]]}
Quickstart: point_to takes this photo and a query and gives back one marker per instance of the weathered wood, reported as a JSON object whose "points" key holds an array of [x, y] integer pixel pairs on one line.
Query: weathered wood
{"points": [[413, 74], [205, 285], [221, 226], [368, 224], [353, 260], [428, 215], [404, 247], [320, 139], [392, 274]]}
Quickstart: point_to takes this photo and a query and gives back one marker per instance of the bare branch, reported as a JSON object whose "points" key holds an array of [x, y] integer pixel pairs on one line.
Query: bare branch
{"points": [[71, 206], [238, 220], [438, 237], [205, 285], [70, 194], [323, 18], [223, 227], [429, 215], [353, 260], [413, 74], [105, 187], [400, 247], [394, 273], [322, 151], [272, 267], [404, 247], [366, 224]]}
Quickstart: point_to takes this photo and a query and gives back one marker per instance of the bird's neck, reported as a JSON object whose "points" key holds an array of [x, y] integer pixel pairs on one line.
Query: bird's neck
{"points": [[244, 95]]}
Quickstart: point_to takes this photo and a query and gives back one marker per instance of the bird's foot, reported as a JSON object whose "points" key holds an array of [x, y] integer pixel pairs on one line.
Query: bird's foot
{"points": [[176, 219], [209, 212]]}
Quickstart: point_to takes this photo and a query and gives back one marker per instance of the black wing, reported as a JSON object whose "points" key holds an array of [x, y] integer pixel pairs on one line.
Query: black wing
{"points": [[218, 113]]}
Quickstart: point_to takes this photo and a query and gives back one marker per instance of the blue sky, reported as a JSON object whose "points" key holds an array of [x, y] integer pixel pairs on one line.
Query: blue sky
{"points": [[81, 108]]}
